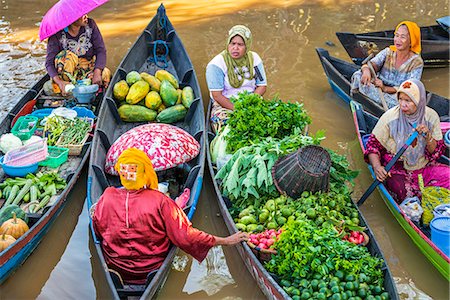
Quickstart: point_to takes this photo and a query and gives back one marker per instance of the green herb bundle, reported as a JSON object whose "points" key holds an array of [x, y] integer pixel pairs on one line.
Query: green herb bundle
{"points": [[254, 119]]}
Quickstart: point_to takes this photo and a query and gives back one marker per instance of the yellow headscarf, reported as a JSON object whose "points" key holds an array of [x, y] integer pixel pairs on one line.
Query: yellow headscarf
{"points": [[136, 170], [414, 35]]}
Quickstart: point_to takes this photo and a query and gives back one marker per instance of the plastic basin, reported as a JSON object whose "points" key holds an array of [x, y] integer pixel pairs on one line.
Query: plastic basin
{"points": [[18, 171], [85, 93], [440, 233]]}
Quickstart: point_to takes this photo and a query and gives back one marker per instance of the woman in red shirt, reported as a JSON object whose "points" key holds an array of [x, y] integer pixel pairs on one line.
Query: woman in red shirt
{"points": [[137, 224]]}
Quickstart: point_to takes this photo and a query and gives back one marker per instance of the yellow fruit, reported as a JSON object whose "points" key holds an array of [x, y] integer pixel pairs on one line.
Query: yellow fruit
{"points": [[152, 81], [164, 75], [120, 90], [161, 108], [180, 92], [153, 100], [137, 92]]}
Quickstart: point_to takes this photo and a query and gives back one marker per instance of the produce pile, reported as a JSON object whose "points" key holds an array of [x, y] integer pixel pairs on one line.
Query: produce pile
{"points": [[320, 246], [144, 97]]}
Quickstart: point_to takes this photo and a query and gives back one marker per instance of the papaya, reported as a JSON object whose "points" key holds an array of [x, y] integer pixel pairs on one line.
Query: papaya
{"points": [[133, 77], [161, 108], [164, 75], [137, 92], [153, 100], [152, 81], [187, 96], [179, 96], [172, 114], [168, 93], [136, 113], [120, 90]]}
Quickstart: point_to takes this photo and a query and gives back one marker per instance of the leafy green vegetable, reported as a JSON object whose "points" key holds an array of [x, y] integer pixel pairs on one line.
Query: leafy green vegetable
{"points": [[254, 119]]}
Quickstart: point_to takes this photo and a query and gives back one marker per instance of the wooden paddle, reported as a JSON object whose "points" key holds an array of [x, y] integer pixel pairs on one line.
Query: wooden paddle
{"points": [[388, 167], [25, 110]]}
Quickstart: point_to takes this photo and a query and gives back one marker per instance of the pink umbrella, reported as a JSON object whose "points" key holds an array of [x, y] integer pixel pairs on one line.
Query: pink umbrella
{"points": [[64, 13]]}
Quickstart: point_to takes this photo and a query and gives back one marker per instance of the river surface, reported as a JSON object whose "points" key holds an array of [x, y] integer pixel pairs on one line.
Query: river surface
{"points": [[285, 35]]}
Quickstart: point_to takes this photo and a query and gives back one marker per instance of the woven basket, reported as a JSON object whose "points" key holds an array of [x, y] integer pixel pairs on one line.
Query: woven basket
{"points": [[264, 255], [307, 169]]}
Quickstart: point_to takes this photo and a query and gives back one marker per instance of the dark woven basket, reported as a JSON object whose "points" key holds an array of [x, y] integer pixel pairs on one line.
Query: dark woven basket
{"points": [[307, 169]]}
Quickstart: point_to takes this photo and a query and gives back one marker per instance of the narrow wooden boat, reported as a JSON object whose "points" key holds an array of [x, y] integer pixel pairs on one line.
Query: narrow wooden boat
{"points": [[268, 282], [419, 234], [110, 127], [435, 44], [444, 22], [339, 75], [16, 254]]}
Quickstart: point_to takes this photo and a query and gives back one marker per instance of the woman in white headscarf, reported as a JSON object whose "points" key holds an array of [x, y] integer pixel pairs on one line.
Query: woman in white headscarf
{"points": [[391, 133], [234, 70]]}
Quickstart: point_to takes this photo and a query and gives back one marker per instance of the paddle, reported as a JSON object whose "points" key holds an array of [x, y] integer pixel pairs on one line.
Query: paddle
{"points": [[408, 142]]}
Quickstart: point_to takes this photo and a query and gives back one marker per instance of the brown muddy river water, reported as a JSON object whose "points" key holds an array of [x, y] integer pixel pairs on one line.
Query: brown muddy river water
{"points": [[285, 35]]}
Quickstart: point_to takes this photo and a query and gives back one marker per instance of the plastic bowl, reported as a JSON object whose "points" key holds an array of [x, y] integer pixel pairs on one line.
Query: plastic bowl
{"points": [[20, 171], [85, 93]]}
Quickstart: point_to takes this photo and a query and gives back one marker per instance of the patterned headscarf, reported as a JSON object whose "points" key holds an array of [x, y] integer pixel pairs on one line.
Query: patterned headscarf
{"points": [[416, 91], [414, 35], [241, 68], [136, 170]]}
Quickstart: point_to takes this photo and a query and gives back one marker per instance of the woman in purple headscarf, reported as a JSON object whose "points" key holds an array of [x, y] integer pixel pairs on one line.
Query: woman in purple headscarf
{"points": [[391, 133]]}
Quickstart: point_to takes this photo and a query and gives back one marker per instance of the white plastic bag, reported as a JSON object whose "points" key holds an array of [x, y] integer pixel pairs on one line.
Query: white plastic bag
{"points": [[412, 208]]}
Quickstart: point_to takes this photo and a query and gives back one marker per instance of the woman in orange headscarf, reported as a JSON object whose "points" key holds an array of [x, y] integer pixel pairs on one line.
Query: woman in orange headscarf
{"points": [[393, 65], [137, 224]]}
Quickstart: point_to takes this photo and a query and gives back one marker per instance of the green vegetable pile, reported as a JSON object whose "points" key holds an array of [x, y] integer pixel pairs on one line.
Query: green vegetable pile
{"points": [[64, 131], [307, 254], [35, 190], [254, 119]]}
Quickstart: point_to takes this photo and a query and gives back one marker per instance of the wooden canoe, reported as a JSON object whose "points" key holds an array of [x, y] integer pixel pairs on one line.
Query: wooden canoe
{"points": [[420, 235], [15, 255], [339, 73], [435, 44], [267, 282], [110, 127]]}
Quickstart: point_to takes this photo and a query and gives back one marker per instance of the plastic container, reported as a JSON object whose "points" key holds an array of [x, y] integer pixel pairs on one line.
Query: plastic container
{"points": [[28, 154], [447, 139], [440, 234], [84, 112], [56, 157], [85, 93], [18, 171], [25, 126], [42, 113]]}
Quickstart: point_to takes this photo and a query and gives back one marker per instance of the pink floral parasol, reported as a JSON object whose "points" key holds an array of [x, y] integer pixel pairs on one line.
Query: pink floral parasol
{"points": [[64, 13]]}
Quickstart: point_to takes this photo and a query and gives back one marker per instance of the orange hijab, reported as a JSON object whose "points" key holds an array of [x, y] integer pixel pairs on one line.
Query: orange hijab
{"points": [[414, 35], [136, 170]]}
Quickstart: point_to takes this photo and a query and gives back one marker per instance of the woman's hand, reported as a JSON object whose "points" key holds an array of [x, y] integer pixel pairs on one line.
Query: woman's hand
{"points": [[423, 130], [232, 239], [61, 84], [366, 77], [379, 83], [381, 174], [97, 77]]}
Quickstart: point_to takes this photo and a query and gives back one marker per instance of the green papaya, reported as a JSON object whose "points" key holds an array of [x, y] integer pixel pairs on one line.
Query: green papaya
{"points": [[152, 81], [179, 96], [164, 75], [153, 100], [133, 77], [172, 114], [187, 96], [137, 92], [136, 113], [120, 90], [169, 94]]}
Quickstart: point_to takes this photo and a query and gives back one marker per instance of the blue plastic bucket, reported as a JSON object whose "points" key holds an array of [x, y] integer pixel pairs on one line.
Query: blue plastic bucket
{"points": [[440, 233]]}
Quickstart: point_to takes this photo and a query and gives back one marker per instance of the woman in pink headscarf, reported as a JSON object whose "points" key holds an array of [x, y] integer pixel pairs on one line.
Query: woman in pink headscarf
{"points": [[391, 133]]}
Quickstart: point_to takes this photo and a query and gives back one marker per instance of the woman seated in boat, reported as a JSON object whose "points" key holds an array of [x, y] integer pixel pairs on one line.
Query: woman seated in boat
{"points": [[391, 133], [77, 52], [137, 224], [234, 70], [393, 65]]}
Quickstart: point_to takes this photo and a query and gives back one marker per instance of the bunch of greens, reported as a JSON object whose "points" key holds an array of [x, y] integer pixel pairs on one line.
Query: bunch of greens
{"points": [[254, 119], [303, 249], [340, 171], [249, 171]]}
